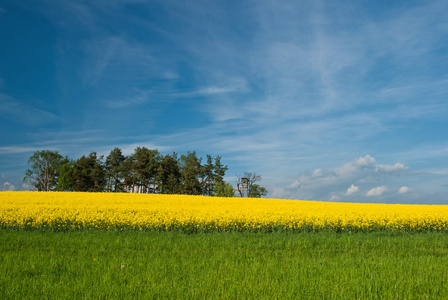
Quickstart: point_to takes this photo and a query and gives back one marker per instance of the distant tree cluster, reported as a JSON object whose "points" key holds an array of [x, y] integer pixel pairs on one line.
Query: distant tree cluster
{"points": [[144, 171]]}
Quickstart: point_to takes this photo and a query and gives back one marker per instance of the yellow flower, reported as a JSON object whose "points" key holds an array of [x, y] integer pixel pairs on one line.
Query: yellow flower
{"points": [[73, 211]]}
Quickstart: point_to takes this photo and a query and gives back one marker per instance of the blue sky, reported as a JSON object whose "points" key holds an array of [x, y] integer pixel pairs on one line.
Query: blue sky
{"points": [[327, 100]]}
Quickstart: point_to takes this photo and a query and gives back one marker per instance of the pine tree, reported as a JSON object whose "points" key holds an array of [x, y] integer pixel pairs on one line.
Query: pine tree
{"points": [[191, 170], [114, 170], [168, 175], [89, 174]]}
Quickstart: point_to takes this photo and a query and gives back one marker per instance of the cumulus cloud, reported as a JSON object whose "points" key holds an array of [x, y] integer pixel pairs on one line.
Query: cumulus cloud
{"points": [[377, 191], [363, 176], [295, 184], [403, 190], [352, 189], [8, 186], [368, 164], [365, 161], [335, 198]]}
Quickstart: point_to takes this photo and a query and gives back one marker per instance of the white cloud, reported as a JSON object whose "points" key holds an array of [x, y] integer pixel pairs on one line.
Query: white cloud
{"points": [[28, 187], [17, 149], [170, 75], [365, 161], [403, 190], [352, 189], [8, 187], [363, 173], [279, 192], [392, 168], [367, 166], [301, 88], [377, 191], [231, 85], [317, 173], [133, 99], [335, 198], [295, 184]]}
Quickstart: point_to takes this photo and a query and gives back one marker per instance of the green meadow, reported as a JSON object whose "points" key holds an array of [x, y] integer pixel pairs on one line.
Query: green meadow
{"points": [[169, 265]]}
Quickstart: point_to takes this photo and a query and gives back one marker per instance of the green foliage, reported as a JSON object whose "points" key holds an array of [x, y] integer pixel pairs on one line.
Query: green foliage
{"points": [[114, 170], [140, 170], [89, 174], [143, 265], [144, 171], [191, 172], [219, 170], [43, 171], [250, 188], [224, 189], [168, 175], [213, 173], [66, 180], [257, 191]]}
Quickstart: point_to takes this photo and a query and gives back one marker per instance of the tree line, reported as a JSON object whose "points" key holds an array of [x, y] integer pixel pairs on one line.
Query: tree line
{"points": [[144, 171]]}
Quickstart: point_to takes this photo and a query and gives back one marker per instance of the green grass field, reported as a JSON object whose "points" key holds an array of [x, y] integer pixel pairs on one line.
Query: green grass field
{"points": [[168, 265]]}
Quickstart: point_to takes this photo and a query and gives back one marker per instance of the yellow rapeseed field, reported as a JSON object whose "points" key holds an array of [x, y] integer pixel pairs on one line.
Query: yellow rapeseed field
{"points": [[73, 211]]}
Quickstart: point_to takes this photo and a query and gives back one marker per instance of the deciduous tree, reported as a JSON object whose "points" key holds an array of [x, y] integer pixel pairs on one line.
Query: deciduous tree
{"points": [[224, 189], [43, 171], [246, 185], [66, 179]]}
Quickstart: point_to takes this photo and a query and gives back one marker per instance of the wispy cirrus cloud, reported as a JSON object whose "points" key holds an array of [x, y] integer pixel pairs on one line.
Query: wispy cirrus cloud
{"points": [[235, 85], [113, 57], [18, 111], [277, 88], [326, 70], [17, 149]]}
